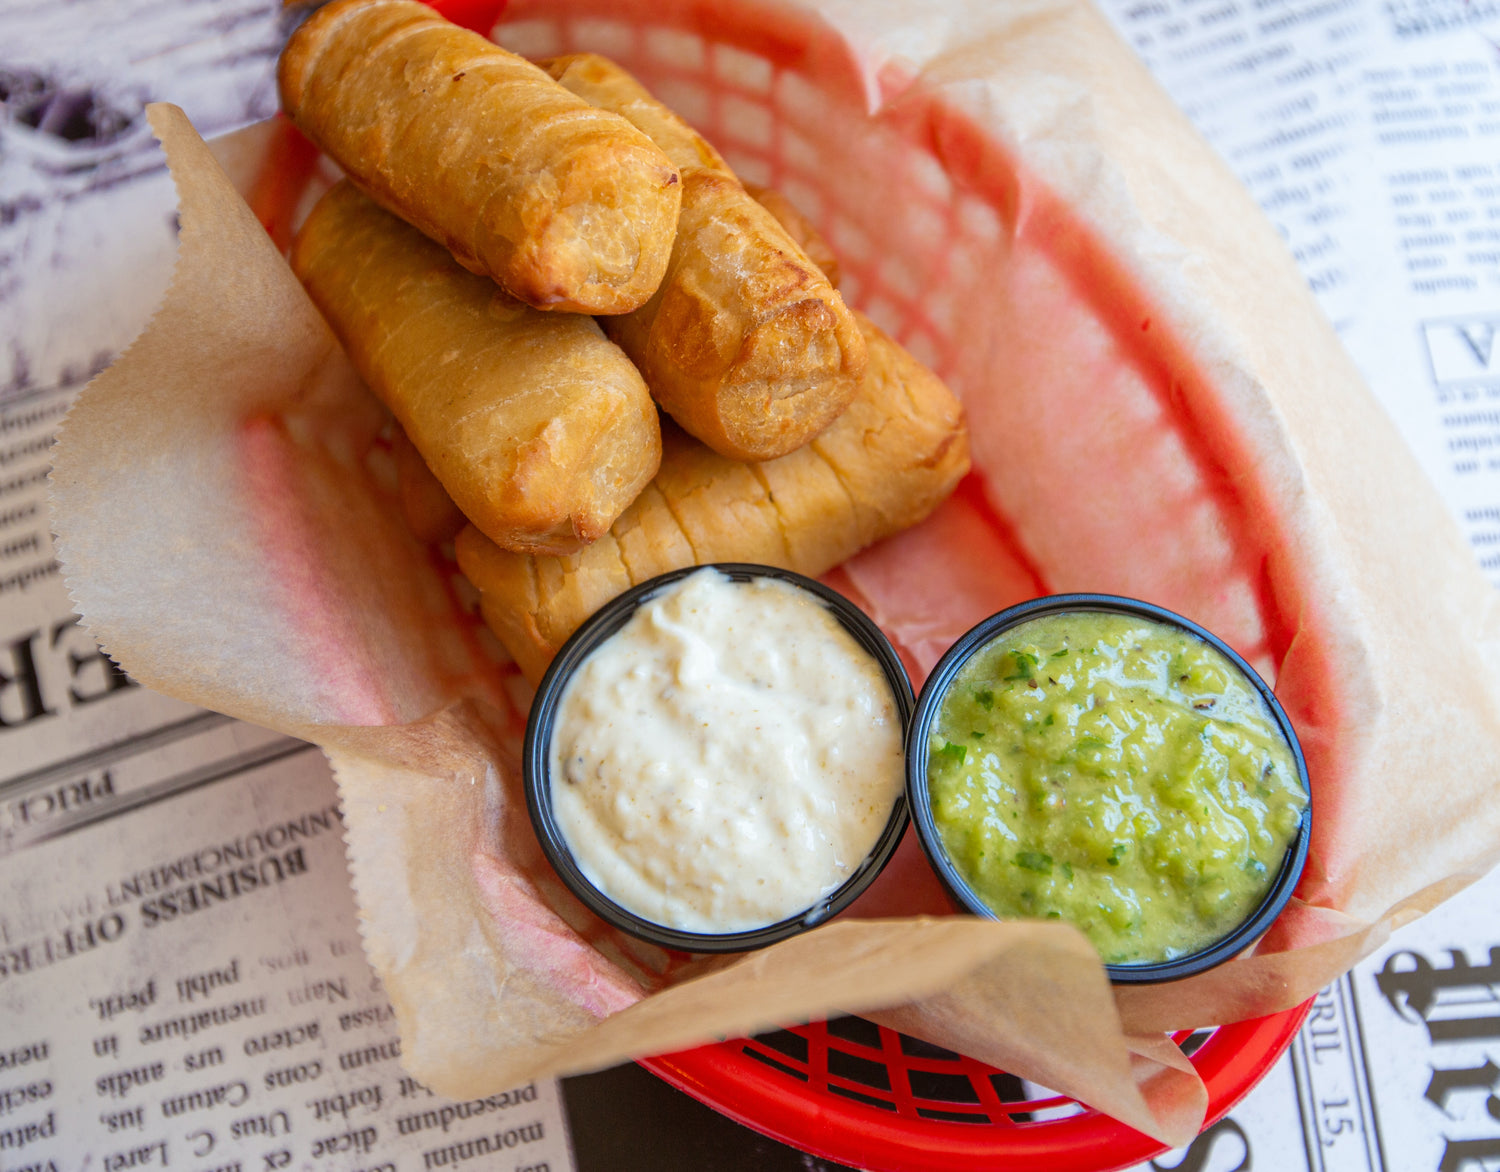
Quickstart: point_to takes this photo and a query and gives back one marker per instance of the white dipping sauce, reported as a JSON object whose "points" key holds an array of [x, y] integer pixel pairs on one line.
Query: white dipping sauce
{"points": [[727, 758]]}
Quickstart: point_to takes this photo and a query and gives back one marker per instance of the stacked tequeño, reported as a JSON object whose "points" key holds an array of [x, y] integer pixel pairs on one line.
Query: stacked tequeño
{"points": [[491, 207]]}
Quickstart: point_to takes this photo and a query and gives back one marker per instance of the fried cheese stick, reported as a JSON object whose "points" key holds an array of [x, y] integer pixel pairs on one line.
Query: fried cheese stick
{"points": [[539, 427], [569, 207], [746, 344], [429, 511], [886, 463]]}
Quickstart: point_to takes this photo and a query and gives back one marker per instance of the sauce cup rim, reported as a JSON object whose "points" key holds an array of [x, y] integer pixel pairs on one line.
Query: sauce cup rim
{"points": [[918, 799], [536, 767]]}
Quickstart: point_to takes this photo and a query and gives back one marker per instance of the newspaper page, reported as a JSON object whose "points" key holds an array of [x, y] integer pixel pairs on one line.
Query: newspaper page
{"points": [[181, 981], [1430, 178]]}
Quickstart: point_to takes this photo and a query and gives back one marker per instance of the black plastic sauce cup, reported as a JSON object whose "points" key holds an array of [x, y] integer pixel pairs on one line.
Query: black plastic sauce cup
{"points": [[537, 764], [936, 688]]}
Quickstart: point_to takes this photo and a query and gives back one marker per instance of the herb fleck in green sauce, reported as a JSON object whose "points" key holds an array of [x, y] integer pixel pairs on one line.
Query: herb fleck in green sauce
{"points": [[1117, 773]]}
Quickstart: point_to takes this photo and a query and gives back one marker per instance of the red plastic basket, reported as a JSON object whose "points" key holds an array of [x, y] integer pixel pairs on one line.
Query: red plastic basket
{"points": [[776, 91], [861, 1094]]}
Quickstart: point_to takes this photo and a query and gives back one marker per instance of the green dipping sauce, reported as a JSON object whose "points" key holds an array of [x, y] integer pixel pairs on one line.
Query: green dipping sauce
{"points": [[1117, 773]]}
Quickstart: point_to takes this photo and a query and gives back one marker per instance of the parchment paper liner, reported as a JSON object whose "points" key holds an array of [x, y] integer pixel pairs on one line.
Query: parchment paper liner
{"points": [[224, 505]]}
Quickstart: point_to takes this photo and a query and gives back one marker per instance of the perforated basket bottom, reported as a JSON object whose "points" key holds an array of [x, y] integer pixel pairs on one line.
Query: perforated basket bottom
{"points": [[856, 1092], [860, 1061]]}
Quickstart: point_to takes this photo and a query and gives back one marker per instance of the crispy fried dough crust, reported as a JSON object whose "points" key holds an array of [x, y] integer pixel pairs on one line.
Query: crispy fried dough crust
{"points": [[886, 463], [800, 229], [569, 207], [537, 425], [746, 344]]}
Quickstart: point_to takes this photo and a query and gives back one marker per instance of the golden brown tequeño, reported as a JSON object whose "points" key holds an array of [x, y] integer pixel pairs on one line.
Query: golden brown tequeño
{"points": [[746, 344], [882, 466], [538, 426], [569, 207]]}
